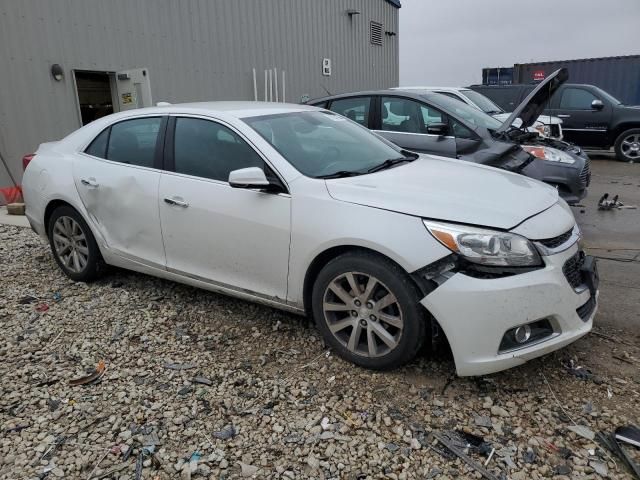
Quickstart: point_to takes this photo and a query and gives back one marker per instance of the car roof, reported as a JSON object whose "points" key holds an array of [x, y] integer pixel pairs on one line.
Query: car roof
{"points": [[417, 94], [426, 88], [237, 109]]}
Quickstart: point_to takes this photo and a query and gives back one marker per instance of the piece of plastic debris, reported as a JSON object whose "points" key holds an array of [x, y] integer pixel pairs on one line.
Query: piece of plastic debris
{"points": [[57, 297], [629, 434], [325, 423], [529, 456], [27, 300], [582, 431], [562, 469], [43, 307], [392, 447], [609, 393], [226, 433], [202, 381], [247, 470], [185, 390], [92, 377], [493, 450], [600, 468], [465, 458], [179, 366]]}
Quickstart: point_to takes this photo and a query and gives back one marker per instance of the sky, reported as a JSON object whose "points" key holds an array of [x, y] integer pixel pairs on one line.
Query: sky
{"points": [[449, 42]]}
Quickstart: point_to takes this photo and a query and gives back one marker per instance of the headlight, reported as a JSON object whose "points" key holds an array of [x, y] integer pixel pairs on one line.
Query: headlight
{"points": [[550, 154], [543, 130], [486, 247]]}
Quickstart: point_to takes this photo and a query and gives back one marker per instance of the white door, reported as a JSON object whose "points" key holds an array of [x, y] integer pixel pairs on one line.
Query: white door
{"points": [[134, 89], [118, 184], [232, 237]]}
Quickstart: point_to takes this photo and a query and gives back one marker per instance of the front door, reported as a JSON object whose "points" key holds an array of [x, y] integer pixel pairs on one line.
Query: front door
{"points": [[404, 122], [234, 238], [581, 123], [117, 178]]}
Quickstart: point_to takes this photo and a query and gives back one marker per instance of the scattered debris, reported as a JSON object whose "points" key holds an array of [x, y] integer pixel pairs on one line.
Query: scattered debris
{"points": [[465, 458], [43, 307], [529, 456], [93, 377], [562, 469], [57, 297], [609, 204], [628, 434], [179, 366], [202, 381], [599, 467], [226, 433], [482, 420], [27, 300], [582, 431]]}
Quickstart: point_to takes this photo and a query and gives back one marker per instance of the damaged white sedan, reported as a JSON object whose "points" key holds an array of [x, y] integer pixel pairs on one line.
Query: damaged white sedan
{"points": [[302, 209]]}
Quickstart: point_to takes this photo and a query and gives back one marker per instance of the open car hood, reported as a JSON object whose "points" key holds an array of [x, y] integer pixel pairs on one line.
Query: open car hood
{"points": [[449, 190], [535, 103]]}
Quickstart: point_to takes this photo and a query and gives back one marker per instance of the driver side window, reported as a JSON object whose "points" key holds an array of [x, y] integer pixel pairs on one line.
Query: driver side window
{"points": [[577, 99], [408, 116], [207, 149]]}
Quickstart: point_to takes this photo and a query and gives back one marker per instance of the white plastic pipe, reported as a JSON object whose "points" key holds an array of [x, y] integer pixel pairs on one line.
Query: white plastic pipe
{"points": [[283, 87], [265, 86], [270, 85], [275, 78], [255, 86]]}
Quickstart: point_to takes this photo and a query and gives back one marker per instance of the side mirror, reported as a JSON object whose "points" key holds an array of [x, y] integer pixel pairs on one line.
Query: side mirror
{"points": [[252, 177], [597, 105], [437, 128]]}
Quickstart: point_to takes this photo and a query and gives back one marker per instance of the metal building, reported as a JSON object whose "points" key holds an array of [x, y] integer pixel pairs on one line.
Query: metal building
{"points": [[66, 62]]}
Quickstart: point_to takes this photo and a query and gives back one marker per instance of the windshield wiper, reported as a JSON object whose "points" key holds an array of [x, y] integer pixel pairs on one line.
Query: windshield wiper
{"points": [[340, 174], [391, 162]]}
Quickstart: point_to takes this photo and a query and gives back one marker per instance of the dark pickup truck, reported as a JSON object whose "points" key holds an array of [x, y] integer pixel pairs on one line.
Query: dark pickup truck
{"points": [[591, 117]]}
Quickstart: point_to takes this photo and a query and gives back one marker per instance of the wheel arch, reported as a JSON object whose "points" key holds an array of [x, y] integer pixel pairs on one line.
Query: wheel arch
{"points": [[623, 127]]}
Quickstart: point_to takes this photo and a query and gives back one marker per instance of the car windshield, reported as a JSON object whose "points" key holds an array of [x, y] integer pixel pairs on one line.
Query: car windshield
{"points": [[486, 105], [608, 96], [323, 144], [471, 115]]}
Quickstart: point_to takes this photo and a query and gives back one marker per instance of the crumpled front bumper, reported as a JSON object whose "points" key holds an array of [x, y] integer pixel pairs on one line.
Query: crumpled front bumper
{"points": [[475, 313]]}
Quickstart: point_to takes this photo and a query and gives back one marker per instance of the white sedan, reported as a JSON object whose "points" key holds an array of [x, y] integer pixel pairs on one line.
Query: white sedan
{"points": [[302, 209]]}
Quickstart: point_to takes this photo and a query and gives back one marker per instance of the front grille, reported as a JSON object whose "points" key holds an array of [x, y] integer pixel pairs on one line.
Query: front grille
{"points": [[556, 241], [585, 174], [572, 270], [585, 311]]}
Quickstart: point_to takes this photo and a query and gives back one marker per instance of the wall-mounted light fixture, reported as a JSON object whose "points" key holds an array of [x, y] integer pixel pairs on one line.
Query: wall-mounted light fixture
{"points": [[390, 34], [56, 72]]}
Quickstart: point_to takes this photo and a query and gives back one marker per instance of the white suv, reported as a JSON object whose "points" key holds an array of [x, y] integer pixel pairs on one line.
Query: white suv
{"points": [[302, 209]]}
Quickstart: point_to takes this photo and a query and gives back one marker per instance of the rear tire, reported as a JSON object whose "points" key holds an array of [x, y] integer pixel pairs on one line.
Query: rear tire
{"points": [[627, 146], [73, 245], [367, 309]]}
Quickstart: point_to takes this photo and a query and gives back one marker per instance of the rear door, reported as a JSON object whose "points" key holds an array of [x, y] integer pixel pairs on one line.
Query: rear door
{"points": [[117, 178], [581, 123], [404, 122]]}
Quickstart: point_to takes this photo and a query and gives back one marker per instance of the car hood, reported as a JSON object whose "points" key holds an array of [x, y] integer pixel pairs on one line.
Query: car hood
{"points": [[449, 190], [535, 103]]}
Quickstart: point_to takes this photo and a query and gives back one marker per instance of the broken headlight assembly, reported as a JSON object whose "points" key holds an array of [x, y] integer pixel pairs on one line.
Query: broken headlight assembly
{"points": [[549, 154], [485, 247]]}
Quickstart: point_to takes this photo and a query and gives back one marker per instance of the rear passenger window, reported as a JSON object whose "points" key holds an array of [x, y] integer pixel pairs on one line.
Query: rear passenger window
{"points": [[206, 149], [98, 147], [356, 109], [134, 141]]}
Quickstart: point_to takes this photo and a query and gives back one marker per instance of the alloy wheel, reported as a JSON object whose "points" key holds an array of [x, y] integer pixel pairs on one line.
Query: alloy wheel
{"points": [[70, 244], [630, 146], [363, 314]]}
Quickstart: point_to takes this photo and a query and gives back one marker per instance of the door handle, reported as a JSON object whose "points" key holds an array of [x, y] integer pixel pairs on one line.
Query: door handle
{"points": [[90, 182], [564, 115], [177, 203]]}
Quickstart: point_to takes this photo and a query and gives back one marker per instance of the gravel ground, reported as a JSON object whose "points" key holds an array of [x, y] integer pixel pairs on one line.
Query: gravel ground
{"points": [[198, 385]]}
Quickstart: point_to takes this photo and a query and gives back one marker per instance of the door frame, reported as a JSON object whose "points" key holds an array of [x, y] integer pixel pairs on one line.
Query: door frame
{"points": [[112, 86]]}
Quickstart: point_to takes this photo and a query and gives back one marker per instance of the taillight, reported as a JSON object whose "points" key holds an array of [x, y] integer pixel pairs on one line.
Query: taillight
{"points": [[26, 159]]}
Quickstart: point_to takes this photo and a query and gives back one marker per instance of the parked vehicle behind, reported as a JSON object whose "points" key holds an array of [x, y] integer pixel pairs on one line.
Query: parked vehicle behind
{"points": [[428, 122], [545, 125], [299, 208], [591, 117]]}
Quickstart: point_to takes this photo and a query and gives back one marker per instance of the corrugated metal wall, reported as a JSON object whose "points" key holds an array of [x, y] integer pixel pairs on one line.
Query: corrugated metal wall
{"points": [[194, 50], [620, 76]]}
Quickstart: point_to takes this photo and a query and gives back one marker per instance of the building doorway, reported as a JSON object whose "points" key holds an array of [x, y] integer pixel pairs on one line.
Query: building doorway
{"points": [[95, 94]]}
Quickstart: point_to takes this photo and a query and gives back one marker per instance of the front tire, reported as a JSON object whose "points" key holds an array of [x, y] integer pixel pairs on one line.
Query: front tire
{"points": [[367, 309], [627, 146], [73, 245]]}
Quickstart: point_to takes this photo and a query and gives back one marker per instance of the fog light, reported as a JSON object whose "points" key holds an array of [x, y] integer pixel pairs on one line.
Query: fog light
{"points": [[525, 335], [522, 334]]}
